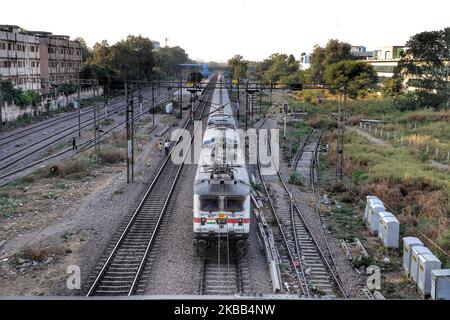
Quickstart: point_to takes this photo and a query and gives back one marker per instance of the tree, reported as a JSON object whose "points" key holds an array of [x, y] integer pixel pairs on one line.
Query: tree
{"points": [[133, 57], [279, 67], [168, 60], [237, 67], [333, 52], [85, 52], [357, 76], [392, 86], [425, 64]]}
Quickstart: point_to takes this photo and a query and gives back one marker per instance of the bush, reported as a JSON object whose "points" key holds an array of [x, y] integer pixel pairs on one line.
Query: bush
{"points": [[72, 167], [296, 179], [406, 102], [112, 155]]}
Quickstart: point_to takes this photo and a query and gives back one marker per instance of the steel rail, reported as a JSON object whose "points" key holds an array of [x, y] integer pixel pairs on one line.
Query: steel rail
{"points": [[300, 279], [85, 122], [335, 273], [47, 144], [133, 217], [58, 120]]}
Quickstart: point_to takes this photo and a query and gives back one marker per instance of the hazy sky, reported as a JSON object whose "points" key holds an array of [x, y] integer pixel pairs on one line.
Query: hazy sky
{"points": [[216, 30]]}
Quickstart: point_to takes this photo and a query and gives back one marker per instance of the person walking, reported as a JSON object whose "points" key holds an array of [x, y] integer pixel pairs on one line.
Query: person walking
{"points": [[167, 147], [74, 144], [160, 148]]}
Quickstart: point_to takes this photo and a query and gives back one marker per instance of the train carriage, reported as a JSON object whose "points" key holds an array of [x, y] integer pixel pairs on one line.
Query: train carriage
{"points": [[221, 186]]}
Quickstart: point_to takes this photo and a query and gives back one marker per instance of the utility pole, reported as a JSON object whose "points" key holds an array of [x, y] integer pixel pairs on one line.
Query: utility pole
{"points": [[95, 118], [105, 103], [446, 83], [79, 109], [132, 136], [238, 101], [127, 122], [341, 132], [260, 97], [270, 95], [1, 112], [153, 104], [180, 99], [246, 107], [140, 102]]}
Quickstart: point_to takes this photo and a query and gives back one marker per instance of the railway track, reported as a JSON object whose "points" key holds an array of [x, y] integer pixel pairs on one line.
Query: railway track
{"points": [[305, 269], [224, 272], [13, 162], [40, 144], [132, 250], [57, 120]]}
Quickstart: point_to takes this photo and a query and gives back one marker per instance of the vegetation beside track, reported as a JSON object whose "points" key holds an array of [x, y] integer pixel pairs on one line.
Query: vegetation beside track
{"points": [[398, 172]]}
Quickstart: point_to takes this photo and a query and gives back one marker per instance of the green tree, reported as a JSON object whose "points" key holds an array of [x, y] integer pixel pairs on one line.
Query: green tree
{"points": [[168, 59], [321, 58], [425, 63], [237, 67], [133, 57], [392, 86], [85, 51], [357, 76]]}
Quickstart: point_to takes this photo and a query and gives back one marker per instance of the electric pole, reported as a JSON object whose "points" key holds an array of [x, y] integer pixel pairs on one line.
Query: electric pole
{"points": [[180, 97], [153, 104], [1, 112], [246, 107], [341, 132], [79, 109], [127, 122], [132, 136]]}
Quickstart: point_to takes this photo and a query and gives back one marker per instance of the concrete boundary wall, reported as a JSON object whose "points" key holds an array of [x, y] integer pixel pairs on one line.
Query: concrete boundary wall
{"points": [[10, 111]]}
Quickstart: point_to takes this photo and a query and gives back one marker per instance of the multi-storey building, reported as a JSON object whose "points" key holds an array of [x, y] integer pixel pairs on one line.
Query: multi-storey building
{"points": [[19, 57], [34, 60], [385, 61]]}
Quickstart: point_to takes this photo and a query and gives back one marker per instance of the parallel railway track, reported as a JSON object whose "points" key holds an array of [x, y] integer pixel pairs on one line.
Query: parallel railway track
{"points": [[57, 120], [12, 158], [305, 269], [121, 270], [83, 145]]}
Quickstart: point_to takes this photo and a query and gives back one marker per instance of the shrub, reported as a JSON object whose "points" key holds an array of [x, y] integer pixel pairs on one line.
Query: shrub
{"points": [[296, 179], [406, 102], [112, 155], [72, 167]]}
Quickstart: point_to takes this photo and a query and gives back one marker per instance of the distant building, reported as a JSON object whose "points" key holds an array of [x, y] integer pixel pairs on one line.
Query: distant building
{"points": [[385, 60], [34, 60], [156, 44], [360, 52], [305, 60]]}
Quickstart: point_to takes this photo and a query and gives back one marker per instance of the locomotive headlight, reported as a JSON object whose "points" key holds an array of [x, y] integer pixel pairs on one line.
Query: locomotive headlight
{"points": [[202, 221], [240, 222]]}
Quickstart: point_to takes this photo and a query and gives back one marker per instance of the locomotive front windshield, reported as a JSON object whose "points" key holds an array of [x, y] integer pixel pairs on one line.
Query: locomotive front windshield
{"points": [[232, 204], [209, 204]]}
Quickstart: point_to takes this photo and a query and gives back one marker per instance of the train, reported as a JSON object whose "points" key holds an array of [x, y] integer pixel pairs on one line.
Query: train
{"points": [[221, 204]]}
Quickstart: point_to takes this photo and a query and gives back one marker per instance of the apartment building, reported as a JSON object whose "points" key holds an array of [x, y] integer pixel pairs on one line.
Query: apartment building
{"points": [[36, 60]]}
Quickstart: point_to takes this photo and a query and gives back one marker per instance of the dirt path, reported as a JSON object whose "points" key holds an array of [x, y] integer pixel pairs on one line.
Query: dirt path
{"points": [[368, 136]]}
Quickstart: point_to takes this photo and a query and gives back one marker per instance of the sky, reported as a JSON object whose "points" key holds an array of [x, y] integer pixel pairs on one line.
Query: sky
{"points": [[215, 30]]}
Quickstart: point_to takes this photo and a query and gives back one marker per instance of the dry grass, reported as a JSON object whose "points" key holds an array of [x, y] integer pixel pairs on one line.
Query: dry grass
{"points": [[71, 167], [119, 138], [418, 193], [112, 155], [39, 254]]}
